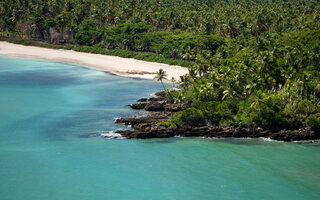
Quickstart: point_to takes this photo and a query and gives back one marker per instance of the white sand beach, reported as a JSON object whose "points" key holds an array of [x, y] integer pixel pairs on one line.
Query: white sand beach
{"points": [[120, 66]]}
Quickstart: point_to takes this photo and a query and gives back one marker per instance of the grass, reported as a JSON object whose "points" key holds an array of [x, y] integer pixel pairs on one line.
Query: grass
{"points": [[26, 42]]}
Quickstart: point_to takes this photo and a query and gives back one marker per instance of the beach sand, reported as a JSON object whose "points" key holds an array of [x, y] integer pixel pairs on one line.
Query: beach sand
{"points": [[128, 67]]}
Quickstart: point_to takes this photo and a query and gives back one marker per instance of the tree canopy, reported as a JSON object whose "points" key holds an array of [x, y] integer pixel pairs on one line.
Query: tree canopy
{"points": [[251, 62]]}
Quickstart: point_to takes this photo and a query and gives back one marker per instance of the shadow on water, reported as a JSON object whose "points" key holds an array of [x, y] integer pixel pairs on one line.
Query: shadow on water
{"points": [[315, 144], [89, 135], [245, 141], [160, 141], [261, 141], [236, 141], [85, 123], [55, 125], [39, 77]]}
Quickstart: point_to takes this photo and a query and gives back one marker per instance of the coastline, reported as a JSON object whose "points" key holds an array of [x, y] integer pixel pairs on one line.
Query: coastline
{"points": [[160, 110], [127, 67]]}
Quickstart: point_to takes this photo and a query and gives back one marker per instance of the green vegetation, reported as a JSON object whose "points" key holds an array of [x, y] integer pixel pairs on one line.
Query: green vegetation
{"points": [[161, 74], [251, 62], [274, 87], [21, 41]]}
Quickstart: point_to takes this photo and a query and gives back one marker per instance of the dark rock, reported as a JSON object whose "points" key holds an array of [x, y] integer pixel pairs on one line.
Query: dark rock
{"points": [[142, 100], [156, 99], [265, 133], [161, 94], [133, 121], [225, 132], [138, 106], [140, 134], [239, 132], [147, 127], [154, 107], [305, 133], [125, 133], [141, 126]]}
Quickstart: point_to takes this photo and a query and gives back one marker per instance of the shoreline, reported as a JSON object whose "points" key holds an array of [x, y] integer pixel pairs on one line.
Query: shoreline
{"points": [[126, 67], [160, 111]]}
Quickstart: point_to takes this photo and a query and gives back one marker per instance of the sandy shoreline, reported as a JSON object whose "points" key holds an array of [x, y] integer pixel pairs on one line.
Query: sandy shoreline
{"points": [[128, 67]]}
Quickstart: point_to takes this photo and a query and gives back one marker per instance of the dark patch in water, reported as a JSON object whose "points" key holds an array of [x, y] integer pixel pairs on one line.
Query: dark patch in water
{"points": [[245, 141], [89, 135], [39, 77], [160, 141], [135, 78]]}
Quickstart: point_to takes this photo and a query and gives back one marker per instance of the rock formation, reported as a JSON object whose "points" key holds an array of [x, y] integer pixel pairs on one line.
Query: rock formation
{"points": [[161, 111]]}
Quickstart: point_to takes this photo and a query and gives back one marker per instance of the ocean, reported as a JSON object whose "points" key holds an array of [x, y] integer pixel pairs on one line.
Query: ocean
{"points": [[51, 118]]}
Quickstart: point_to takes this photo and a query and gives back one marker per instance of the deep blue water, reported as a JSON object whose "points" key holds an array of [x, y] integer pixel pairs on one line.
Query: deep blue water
{"points": [[48, 109]]}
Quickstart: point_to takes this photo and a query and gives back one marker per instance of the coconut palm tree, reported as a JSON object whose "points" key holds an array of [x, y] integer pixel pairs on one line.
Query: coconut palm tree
{"points": [[161, 74]]}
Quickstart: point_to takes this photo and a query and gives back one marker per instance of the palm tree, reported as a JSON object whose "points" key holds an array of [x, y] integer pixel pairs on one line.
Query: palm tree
{"points": [[161, 74]]}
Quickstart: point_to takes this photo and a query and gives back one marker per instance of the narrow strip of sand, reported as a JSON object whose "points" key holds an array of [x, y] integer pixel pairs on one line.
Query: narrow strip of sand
{"points": [[120, 66]]}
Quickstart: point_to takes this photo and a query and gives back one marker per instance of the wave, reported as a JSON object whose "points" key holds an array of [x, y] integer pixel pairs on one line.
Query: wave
{"points": [[112, 135], [306, 141], [267, 139]]}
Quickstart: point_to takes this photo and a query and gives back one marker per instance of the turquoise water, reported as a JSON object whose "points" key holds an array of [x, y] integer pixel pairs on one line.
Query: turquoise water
{"points": [[49, 111]]}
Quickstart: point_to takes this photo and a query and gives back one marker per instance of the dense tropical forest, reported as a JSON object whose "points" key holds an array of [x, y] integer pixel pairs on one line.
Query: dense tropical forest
{"points": [[251, 62]]}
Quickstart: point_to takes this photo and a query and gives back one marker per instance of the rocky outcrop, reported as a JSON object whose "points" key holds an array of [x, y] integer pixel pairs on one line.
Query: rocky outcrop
{"points": [[156, 99], [160, 111], [151, 130], [155, 106], [138, 106], [142, 100], [151, 119], [161, 94], [305, 133]]}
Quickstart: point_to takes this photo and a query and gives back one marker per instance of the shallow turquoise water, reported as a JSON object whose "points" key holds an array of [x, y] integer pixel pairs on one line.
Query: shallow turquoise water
{"points": [[48, 109]]}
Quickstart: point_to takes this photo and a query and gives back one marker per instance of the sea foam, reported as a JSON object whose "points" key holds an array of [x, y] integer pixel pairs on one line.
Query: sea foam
{"points": [[112, 135]]}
